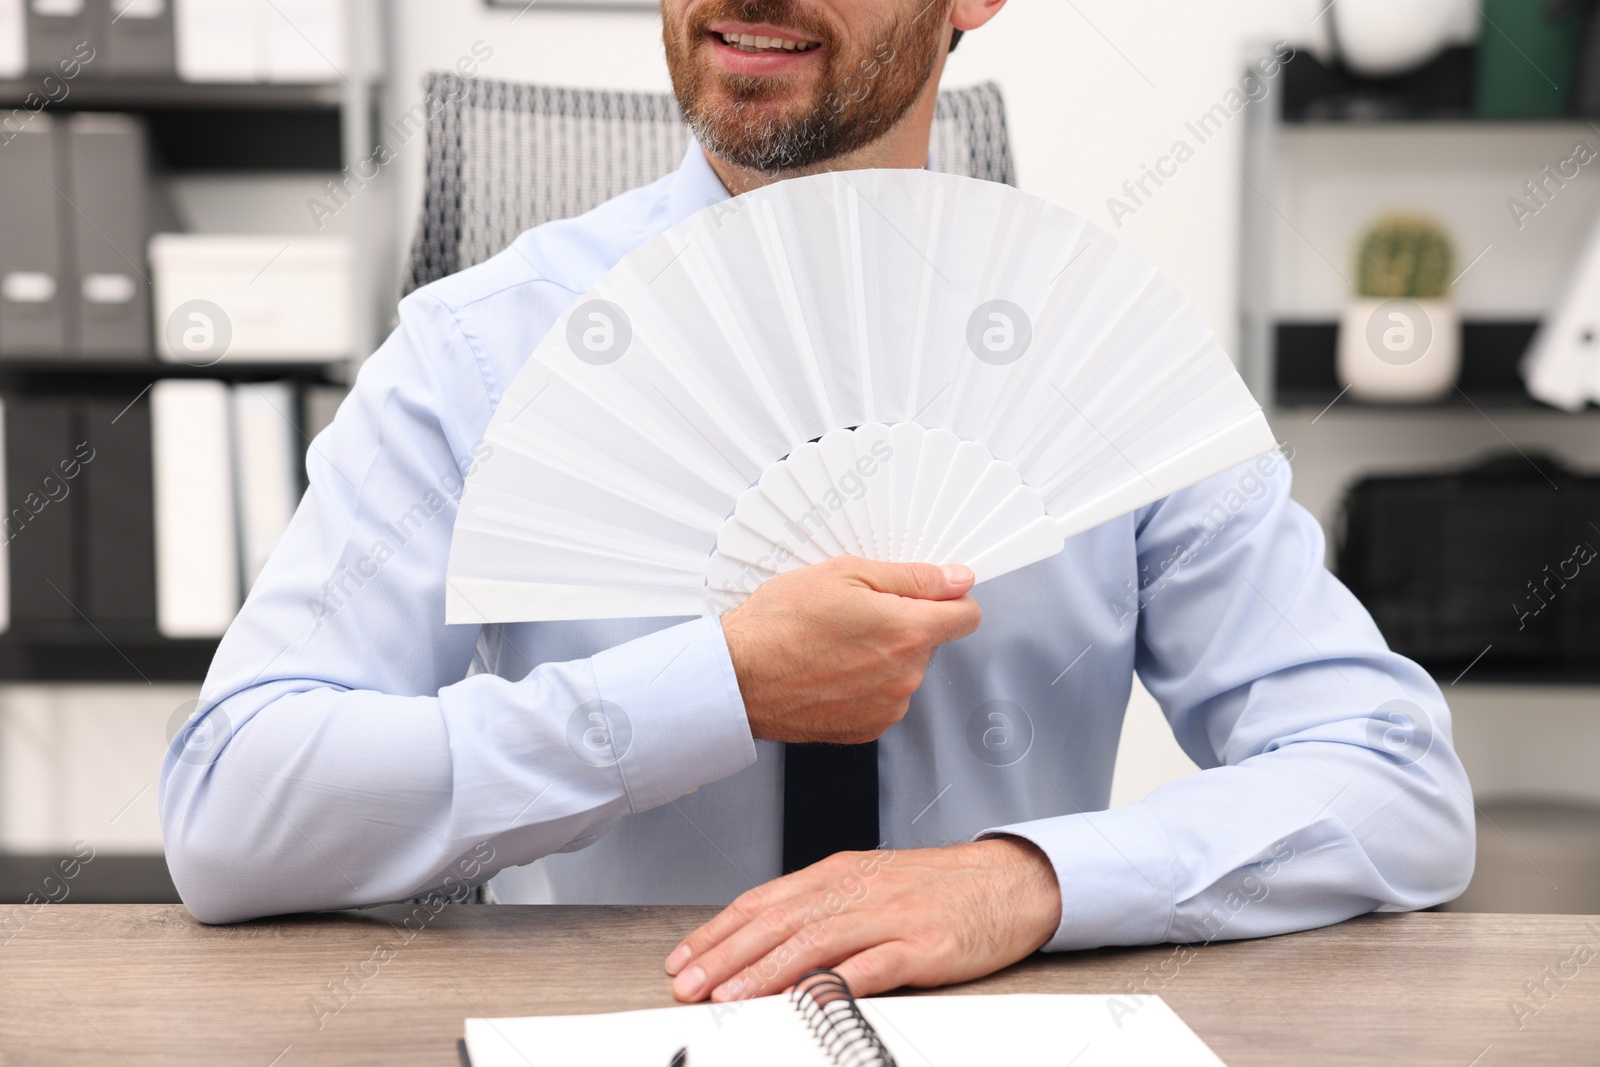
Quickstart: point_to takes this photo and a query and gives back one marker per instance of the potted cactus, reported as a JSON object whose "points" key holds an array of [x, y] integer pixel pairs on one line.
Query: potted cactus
{"points": [[1401, 337]]}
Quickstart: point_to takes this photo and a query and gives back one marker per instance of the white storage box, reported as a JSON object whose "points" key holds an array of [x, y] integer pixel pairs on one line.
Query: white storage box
{"points": [[292, 41], [251, 299], [13, 43]]}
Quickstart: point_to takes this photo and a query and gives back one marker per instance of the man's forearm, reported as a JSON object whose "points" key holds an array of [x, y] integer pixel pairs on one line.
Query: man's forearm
{"points": [[314, 797], [1311, 833]]}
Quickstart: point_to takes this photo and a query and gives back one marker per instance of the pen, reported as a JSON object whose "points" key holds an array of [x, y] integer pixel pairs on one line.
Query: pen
{"points": [[680, 1058]]}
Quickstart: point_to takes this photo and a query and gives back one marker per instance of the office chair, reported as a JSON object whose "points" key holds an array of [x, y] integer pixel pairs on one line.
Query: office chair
{"points": [[504, 157]]}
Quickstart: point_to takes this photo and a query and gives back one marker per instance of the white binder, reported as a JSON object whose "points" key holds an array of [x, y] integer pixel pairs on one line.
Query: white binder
{"points": [[265, 455], [197, 563]]}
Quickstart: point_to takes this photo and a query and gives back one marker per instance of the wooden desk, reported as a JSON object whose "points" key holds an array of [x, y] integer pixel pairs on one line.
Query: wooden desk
{"points": [[134, 984]]}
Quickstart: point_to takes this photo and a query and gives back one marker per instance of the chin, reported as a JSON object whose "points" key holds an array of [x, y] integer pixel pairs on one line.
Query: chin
{"points": [[777, 106]]}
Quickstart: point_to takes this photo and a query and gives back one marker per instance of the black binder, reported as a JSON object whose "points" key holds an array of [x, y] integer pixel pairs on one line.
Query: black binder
{"points": [[41, 509], [119, 513]]}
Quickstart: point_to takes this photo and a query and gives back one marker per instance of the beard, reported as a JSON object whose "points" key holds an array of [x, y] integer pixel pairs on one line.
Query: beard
{"points": [[773, 124]]}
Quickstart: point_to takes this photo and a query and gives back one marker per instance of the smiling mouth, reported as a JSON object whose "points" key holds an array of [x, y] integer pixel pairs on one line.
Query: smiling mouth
{"points": [[752, 44]]}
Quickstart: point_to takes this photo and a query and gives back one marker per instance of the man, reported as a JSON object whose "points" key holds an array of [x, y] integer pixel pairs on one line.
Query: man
{"points": [[361, 751]]}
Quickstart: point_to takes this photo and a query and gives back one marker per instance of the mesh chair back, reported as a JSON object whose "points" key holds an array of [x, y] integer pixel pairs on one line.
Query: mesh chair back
{"points": [[504, 157]]}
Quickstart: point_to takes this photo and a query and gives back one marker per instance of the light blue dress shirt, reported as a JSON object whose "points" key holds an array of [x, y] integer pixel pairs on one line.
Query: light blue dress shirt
{"points": [[355, 750]]}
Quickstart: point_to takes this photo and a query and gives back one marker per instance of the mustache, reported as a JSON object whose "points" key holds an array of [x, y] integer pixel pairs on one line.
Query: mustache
{"points": [[785, 13]]}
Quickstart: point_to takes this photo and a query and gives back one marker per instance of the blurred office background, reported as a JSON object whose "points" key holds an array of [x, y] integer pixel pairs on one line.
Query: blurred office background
{"points": [[165, 159]]}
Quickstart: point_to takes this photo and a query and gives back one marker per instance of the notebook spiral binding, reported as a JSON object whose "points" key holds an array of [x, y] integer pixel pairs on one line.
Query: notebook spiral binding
{"points": [[835, 1020]]}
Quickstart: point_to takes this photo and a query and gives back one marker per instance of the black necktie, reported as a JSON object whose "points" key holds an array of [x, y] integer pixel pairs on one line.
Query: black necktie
{"points": [[830, 801]]}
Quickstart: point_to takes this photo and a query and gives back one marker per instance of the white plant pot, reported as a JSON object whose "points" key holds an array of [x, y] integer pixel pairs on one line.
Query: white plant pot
{"points": [[1398, 351], [1382, 37]]}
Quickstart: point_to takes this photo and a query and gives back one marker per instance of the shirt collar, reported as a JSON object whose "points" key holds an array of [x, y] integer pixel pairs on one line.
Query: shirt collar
{"points": [[695, 186]]}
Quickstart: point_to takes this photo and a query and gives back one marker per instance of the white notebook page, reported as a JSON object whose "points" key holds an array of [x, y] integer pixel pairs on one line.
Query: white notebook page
{"points": [[1024, 1030]]}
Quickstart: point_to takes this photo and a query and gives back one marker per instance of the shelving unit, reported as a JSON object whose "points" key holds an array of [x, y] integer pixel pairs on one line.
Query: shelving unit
{"points": [[101, 653], [200, 133], [89, 95], [1304, 374], [238, 128], [1440, 90], [116, 376], [1388, 141]]}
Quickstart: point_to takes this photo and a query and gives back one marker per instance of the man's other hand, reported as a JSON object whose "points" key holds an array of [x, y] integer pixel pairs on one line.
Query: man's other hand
{"points": [[924, 917], [832, 652]]}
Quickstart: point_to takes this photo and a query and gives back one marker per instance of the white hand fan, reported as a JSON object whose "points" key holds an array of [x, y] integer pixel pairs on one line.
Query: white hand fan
{"points": [[892, 364]]}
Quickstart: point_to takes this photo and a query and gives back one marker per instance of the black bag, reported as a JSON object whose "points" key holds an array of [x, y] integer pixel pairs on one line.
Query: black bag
{"points": [[1504, 556], [1586, 87]]}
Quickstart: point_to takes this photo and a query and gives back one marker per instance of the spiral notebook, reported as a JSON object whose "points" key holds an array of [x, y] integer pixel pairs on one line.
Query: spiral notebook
{"points": [[821, 1025]]}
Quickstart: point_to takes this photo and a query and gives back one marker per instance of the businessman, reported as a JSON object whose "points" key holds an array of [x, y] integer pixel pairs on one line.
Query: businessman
{"points": [[875, 766]]}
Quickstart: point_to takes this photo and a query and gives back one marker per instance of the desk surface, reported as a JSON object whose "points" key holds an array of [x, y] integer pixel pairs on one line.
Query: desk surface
{"points": [[138, 985]]}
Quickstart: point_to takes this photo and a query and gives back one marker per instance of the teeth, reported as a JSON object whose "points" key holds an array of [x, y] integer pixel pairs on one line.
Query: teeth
{"points": [[747, 42]]}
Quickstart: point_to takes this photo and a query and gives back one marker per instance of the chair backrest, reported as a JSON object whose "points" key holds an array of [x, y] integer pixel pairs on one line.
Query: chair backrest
{"points": [[504, 157]]}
